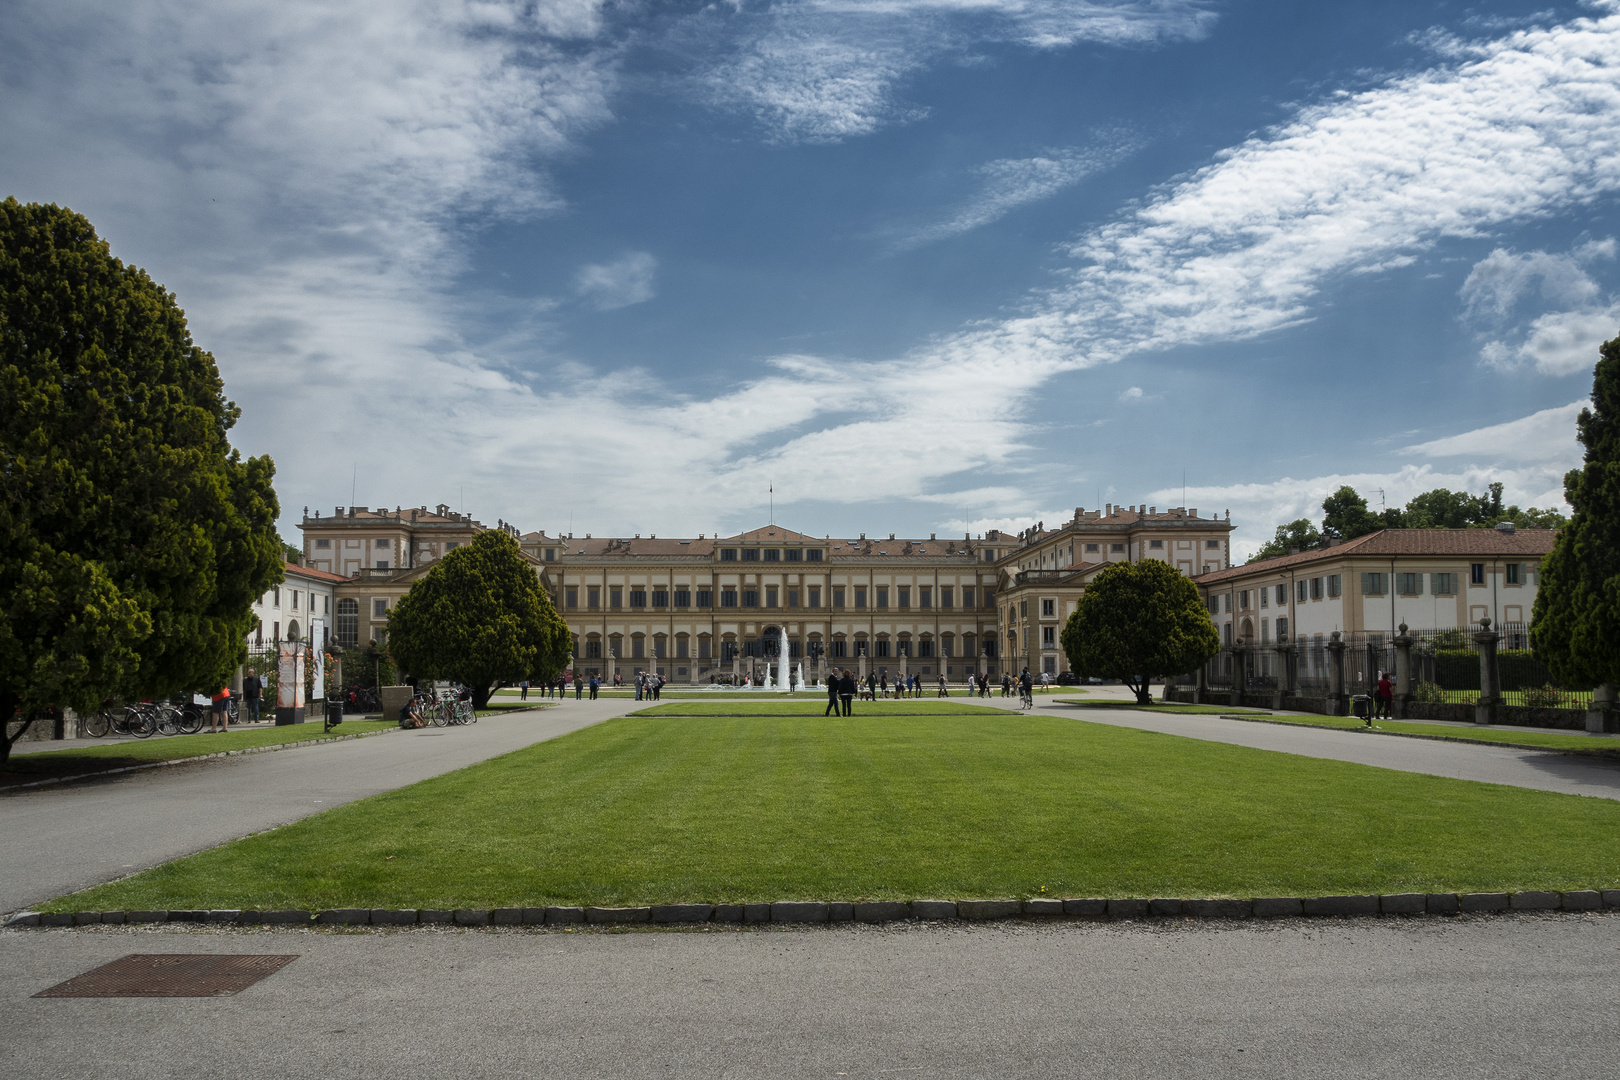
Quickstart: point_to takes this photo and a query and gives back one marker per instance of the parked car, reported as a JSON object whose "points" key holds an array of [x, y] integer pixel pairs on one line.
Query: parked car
{"points": [[1068, 678]]}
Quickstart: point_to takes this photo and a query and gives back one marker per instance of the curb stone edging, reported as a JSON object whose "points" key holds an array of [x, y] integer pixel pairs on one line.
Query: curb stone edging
{"points": [[789, 912]]}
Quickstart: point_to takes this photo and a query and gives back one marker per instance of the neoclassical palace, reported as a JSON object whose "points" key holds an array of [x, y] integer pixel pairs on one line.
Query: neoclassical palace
{"points": [[694, 609]]}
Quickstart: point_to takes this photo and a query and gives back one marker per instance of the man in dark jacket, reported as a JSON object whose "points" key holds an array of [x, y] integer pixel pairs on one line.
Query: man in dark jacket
{"points": [[252, 690], [832, 693], [846, 690]]}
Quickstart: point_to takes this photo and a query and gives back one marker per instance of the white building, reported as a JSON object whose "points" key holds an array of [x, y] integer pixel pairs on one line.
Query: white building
{"points": [[299, 609]]}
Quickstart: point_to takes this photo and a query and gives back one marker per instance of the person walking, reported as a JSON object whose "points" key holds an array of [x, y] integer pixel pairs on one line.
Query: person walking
{"points": [[216, 711], [832, 694], [523, 690], [846, 690], [593, 687], [943, 690], [1385, 701], [1026, 689], [252, 690]]}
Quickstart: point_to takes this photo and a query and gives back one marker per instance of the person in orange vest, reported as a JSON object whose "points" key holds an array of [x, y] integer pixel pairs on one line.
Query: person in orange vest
{"points": [[217, 714]]}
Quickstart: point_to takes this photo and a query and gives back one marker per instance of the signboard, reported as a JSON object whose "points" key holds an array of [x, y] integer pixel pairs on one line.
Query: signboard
{"points": [[317, 640], [290, 675]]}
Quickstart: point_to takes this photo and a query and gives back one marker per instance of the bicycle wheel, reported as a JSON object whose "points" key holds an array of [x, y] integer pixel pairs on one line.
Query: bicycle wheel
{"points": [[191, 720], [168, 720], [142, 723], [98, 725], [472, 713], [437, 717]]}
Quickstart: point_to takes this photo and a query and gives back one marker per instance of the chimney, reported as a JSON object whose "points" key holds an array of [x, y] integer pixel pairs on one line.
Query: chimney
{"points": [[1153, 509], [1193, 512]]}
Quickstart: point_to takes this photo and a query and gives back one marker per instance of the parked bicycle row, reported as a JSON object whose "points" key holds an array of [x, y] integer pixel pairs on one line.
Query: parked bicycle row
{"points": [[143, 719]]}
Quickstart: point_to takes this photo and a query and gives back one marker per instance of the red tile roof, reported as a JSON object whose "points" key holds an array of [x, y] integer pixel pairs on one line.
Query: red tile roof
{"points": [[293, 569], [1486, 543]]}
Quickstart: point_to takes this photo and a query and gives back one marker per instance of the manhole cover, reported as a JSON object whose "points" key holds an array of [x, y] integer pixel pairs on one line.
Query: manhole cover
{"points": [[171, 975]]}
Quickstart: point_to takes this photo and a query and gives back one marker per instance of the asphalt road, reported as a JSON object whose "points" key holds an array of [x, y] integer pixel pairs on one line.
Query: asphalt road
{"points": [[60, 838], [1512, 996]]}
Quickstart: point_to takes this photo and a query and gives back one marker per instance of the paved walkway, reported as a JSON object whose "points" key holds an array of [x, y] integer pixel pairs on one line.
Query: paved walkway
{"points": [[1565, 773], [1507, 996], [60, 838]]}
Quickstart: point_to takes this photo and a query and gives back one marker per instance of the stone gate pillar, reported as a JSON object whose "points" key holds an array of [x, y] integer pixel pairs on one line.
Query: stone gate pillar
{"points": [[1201, 682], [1240, 671], [1285, 673], [1490, 676], [1403, 672], [1602, 717], [1338, 703]]}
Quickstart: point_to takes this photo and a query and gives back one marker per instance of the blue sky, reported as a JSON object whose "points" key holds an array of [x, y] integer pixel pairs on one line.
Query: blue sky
{"points": [[924, 265]]}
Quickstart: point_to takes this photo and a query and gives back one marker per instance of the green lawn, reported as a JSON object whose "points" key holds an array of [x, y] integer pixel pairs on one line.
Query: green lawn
{"points": [[1551, 739], [99, 757], [637, 810], [888, 707], [1160, 707]]}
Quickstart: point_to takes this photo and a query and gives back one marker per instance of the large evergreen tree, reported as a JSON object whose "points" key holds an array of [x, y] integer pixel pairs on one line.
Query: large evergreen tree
{"points": [[133, 539], [1575, 625], [480, 617], [1137, 622]]}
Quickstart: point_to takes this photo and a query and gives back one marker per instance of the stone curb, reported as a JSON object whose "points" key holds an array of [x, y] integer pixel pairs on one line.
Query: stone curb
{"points": [[1596, 751], [199, 757], [788, 912]]}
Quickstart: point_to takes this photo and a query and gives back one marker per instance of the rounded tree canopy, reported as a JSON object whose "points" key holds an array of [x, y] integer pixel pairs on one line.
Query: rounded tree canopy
{"points": [[1137, 622], [133, 538]]}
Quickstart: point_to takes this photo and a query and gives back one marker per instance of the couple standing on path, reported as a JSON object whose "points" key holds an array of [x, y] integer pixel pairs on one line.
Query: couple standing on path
{"points": [[840, 692]]}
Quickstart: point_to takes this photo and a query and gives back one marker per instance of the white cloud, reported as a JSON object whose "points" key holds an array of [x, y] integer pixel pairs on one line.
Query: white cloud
{"points": [[1133, 393], [1503, 285], [1013, 182], [617, 284], [1498, 282], [1545, 436], [1566, 342], [826, 70]]}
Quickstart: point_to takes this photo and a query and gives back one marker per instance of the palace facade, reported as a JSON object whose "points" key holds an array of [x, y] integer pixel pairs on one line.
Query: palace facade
{"points": [[695, 609]]}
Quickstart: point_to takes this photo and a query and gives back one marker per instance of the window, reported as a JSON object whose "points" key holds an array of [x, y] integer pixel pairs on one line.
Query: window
{"points": [[905, 596], [1023, 610], [812, 555], [1443, 584], [593, 596], [1282, 595], [838, 649], [571, 596], [1155, 543], [1476, 574], [615, 598], [1226, 603], [1048, 637], [323, 544], [1243, 600], [294, 595], [1265, 631], [703, 648], [1409, 584], [989, 555], [838, 596], [1093, 547], [882, 647], [275, 631], [1116, 547], [660, 598], [815, 596], [1265, 597], [750, 598], [348, 623], [926, 648], [967, 596], [1316, 588], [683, 598], [705, 598], [1213, 545], [1374, 584], [792, 555], [860, 596], [276, 596], [793, 598], [945, 596], [680, 648], [1299, 589], [1334, 586], [1512, 578], [326, 604], [379, 608], [728, 598], [1048, 607], [882, 597], [381, 543], [728, 554], [770, 596], [925, 596], [902, 648], [638, 598], [750, 554], [658, 648], [773, 554], [636, 646]]}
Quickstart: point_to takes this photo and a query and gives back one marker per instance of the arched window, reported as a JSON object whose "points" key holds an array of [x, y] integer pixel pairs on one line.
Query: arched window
{"points": [[348, 623]]}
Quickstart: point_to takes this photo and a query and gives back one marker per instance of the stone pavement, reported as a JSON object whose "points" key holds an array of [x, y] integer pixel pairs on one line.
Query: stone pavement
{"points": [[65, 837], [1440, 998]]}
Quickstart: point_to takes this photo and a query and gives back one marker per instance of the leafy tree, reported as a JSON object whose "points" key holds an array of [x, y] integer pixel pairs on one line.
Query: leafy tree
{"points": [[1345, 515], [1575, 624], [1137, 622], [1298, 535], [1443, 509], [133, 539], [480, 617], [291, 552]]}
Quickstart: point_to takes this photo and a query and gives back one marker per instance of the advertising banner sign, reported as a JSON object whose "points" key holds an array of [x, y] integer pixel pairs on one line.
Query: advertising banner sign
{"points": [[290, 676], [317, 637]]}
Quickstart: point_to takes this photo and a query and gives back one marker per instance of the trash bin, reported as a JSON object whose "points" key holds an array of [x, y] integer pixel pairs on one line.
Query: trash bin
{"points": [[334, 713], [1362, 704]]}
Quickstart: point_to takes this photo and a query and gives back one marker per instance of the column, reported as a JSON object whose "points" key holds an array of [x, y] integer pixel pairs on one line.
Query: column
{"points": [[1602, 717], [1338, 704], [1403, 672], [1285, 673], [1240, 670], [1201, 683], [1490, 679]]}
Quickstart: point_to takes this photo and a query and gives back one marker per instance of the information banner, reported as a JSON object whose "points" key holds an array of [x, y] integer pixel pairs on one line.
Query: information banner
{"points": [[317, 635], [290, 676]]}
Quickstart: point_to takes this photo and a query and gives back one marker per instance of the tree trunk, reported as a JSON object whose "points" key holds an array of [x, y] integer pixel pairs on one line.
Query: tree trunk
{"points": [[8, 709], [1143, 691], [481, 696]]}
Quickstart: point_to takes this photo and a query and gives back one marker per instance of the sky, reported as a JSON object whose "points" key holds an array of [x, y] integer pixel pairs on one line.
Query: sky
{"points": [[909, 266]]}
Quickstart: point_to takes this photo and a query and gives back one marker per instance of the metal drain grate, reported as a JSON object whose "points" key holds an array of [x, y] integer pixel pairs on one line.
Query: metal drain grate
{"points": [[171, 975]]}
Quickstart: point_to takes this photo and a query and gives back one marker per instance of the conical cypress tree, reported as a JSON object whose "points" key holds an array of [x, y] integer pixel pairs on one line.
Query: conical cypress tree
{"points": [[1576, 620]]}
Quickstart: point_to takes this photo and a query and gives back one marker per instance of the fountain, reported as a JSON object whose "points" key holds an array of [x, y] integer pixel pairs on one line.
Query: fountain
{"points": [[798, 677]]}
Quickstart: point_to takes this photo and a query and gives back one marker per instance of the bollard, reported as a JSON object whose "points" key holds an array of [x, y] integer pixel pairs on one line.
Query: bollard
{"points": [[1490, 679]]}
